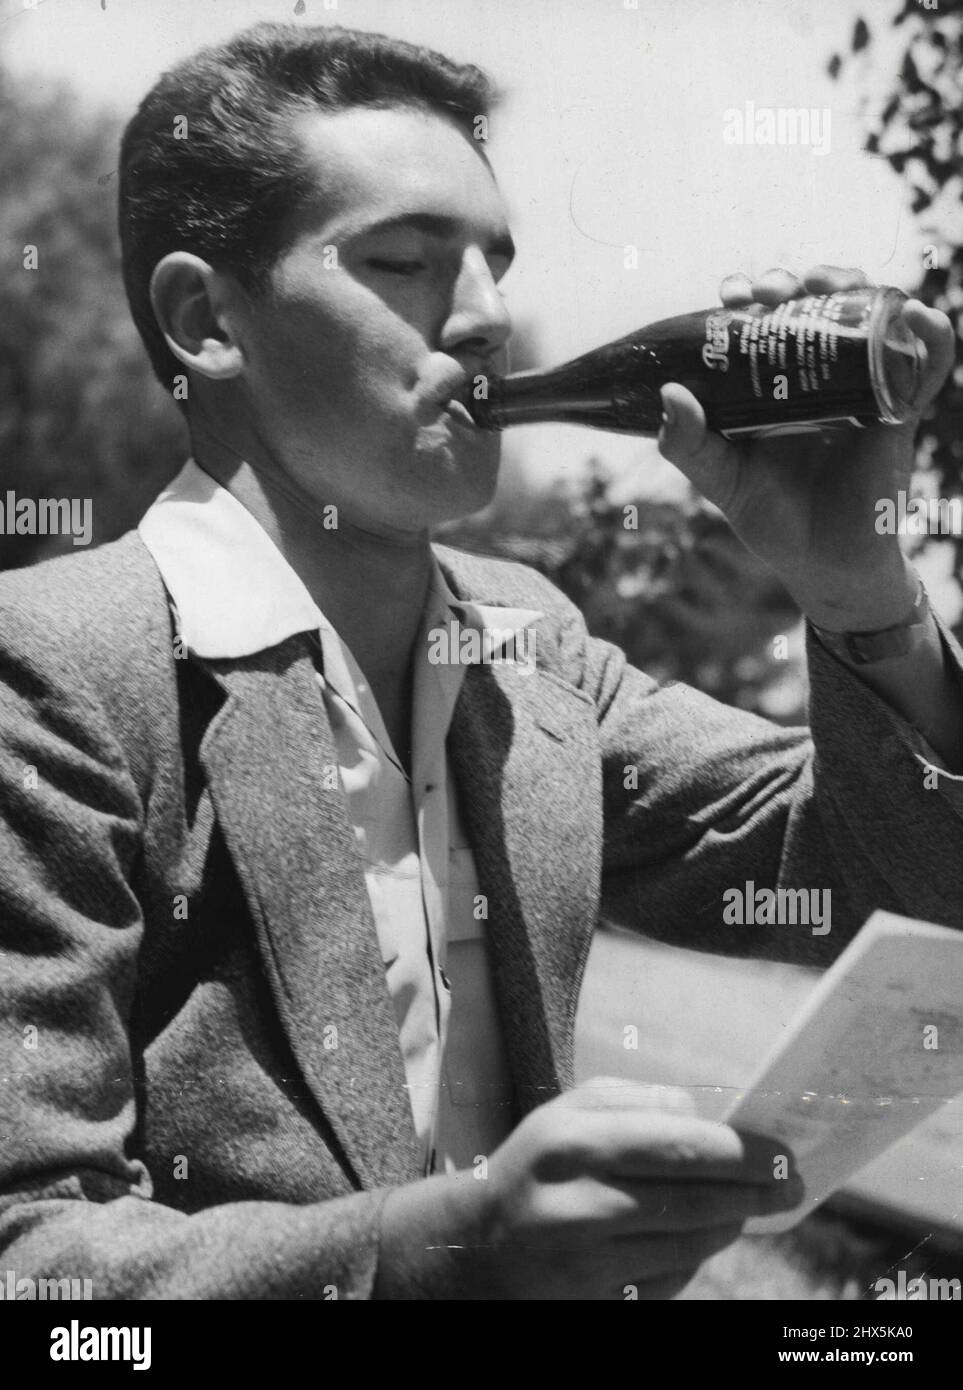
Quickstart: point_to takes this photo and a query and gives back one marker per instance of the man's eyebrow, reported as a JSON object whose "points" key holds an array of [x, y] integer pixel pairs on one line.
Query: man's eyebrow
{"points": [[437, 225]]}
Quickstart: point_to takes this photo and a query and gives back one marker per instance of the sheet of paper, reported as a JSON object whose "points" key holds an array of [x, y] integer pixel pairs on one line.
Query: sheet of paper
{"points": [[875, 1049]]}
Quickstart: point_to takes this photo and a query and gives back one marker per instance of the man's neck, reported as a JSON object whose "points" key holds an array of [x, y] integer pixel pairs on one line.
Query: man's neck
{"points": [[371, 588]]}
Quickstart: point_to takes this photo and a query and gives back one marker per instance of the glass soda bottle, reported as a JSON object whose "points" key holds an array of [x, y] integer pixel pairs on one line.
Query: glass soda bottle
{"points": [[802, 365]]}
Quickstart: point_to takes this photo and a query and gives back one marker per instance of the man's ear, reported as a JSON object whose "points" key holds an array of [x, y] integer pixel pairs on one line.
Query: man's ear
{"points": [[189, 302]]}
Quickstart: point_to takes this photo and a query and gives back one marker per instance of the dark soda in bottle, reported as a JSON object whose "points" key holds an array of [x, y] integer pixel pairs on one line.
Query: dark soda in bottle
{"points": [[758, 370]]}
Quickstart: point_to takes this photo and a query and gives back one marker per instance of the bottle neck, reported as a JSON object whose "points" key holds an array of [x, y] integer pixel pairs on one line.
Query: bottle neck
{"points": [[613, 388], [539, 397]]}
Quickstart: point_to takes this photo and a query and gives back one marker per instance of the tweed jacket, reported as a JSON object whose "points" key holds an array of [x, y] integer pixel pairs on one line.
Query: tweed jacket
{"points": [[201, 1088]]}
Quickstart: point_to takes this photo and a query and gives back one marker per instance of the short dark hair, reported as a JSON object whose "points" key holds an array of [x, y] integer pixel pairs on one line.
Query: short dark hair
{"points": [[226, 191]]}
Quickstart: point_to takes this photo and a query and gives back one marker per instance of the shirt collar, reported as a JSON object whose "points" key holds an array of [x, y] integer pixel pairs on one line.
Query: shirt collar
{"points": [[235, 594]]}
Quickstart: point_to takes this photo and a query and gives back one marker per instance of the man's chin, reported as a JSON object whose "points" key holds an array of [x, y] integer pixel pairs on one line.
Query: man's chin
{"points": [[465, 469]]}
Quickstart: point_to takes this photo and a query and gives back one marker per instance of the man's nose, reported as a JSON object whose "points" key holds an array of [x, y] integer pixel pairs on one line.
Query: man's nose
{"points": [[479, 322]]}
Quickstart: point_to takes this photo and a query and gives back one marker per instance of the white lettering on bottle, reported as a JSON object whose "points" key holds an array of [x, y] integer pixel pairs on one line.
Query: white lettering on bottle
{"points": [[715, 352]]}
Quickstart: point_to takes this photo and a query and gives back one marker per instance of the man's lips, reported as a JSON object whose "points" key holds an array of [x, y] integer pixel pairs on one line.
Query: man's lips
{"points": [[460, 414], [451, 396], [450, 407]]}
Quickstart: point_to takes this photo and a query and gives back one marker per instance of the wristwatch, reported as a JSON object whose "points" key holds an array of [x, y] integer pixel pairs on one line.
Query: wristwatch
{"points": [[862, 648]]}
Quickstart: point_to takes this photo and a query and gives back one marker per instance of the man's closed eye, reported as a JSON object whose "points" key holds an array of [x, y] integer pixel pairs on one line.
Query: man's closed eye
{"points": [[397, 267]]}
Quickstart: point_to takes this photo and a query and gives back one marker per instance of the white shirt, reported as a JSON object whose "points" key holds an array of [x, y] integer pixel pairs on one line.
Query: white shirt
{"points": [[235, 595]]}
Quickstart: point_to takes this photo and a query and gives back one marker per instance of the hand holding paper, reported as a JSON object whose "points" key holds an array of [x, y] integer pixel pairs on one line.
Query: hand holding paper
{"points": [[876, 1049]]}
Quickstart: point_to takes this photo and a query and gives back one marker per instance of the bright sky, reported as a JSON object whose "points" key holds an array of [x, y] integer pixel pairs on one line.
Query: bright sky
{"points": [[611, 136]]}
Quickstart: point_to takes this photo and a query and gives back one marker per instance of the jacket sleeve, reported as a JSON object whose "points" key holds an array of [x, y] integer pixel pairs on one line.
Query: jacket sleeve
{"points": [[701, 799], [75, 1200]]}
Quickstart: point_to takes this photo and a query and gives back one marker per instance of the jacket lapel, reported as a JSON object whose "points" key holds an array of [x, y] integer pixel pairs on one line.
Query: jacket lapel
{"points": [[521, 747], [267, 756]]}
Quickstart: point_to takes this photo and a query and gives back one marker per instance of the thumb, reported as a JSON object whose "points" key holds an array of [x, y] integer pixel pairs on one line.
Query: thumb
{"points": [[622, 1093], [684, 431], [705, 458]]}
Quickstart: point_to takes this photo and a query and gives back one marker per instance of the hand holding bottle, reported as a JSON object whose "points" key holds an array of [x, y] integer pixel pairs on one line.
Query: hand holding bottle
{"points": [[806, 504]]}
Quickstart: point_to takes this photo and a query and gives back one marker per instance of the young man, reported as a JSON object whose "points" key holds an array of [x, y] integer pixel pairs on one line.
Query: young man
{"points": [[293, 915]]}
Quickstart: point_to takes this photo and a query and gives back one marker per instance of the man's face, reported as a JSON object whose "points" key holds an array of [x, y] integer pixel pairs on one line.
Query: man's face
{"points": [[385, 303]]}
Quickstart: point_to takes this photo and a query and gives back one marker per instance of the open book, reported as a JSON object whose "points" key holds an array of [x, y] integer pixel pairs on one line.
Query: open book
{"points": [[877, 1047]]}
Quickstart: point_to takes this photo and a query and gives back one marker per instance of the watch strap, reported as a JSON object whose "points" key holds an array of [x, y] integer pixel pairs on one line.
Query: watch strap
{"points": [[863, 648]]}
